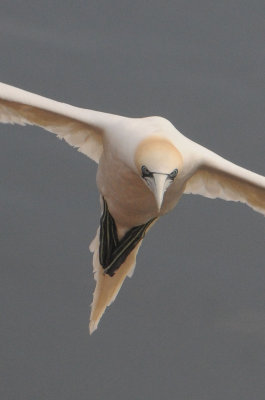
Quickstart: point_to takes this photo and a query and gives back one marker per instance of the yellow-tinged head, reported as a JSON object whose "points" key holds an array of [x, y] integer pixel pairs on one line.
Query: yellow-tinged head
{"points": [[158, 162]]}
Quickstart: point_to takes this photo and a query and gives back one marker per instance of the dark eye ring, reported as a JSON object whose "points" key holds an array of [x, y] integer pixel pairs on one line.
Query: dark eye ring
{"points": [[173, 174], [145, 172]]}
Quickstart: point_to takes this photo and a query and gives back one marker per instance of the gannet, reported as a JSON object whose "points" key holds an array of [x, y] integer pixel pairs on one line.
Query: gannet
{"points": [[144, 167]]}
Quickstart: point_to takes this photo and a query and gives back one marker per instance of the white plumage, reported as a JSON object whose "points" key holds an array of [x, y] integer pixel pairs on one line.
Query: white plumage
{"points": [[145, 165]]}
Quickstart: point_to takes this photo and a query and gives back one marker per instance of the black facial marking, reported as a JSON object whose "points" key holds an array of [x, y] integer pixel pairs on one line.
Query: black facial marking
{"points": [[146, 173], [173, 174]]}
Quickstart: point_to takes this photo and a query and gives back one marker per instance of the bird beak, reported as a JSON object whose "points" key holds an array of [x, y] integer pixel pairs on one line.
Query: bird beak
{"points": [[159, 188]]}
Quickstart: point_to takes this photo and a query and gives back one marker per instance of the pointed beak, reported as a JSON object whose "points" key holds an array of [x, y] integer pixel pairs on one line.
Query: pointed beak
{"points": [[159, 188]]}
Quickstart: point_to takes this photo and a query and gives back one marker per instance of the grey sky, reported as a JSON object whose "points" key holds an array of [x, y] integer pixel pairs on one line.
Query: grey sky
{"points": [[190, 323]]}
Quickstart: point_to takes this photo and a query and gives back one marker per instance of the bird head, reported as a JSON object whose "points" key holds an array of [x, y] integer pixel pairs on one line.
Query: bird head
{"points": [[158, 163]]}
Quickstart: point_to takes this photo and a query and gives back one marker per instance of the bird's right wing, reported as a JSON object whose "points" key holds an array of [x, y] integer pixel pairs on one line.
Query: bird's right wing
{"points": [[216, 177], [79, 127]]}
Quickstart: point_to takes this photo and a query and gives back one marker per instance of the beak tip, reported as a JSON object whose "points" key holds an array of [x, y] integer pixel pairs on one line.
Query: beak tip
{"points": [[159, 189], [159, 201], [159, 205]]}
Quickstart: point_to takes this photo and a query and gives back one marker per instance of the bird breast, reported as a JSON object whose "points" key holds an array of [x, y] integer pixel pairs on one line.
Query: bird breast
{"points": [[130, 201]]}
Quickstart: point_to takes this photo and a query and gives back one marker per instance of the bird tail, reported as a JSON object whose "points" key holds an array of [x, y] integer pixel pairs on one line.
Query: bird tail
{"points": [[107, 287]]}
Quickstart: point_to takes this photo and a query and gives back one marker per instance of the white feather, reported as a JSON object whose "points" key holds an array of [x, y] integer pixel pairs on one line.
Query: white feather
{"points": [[216, 177], [81, 128]]}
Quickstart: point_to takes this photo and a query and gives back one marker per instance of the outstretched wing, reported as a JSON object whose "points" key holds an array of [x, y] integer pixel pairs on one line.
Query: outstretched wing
{"points": [[79, 127], [216, 177]]}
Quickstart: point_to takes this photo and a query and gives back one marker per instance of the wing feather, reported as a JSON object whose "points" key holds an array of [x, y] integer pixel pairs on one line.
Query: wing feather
{"points": [[216, 177], [79, 127]]}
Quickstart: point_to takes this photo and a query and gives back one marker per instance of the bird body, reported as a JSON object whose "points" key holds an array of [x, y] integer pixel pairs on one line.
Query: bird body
{"points": [[144, 167], [129, 200]]}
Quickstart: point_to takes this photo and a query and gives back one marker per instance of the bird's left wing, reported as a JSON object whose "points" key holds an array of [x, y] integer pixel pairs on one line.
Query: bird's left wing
{"points": [[79, 127], [216, 177]]}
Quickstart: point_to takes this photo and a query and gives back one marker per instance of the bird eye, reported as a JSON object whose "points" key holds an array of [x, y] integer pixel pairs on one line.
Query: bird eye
{"points": [[173, 174], [145, 172]]}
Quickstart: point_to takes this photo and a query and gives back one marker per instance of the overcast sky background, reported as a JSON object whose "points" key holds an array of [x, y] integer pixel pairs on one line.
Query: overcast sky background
{"points": [[190, 324]]}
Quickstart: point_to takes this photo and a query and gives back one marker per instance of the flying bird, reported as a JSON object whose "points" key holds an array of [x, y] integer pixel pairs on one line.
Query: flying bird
{"points": [[144, 167]]}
